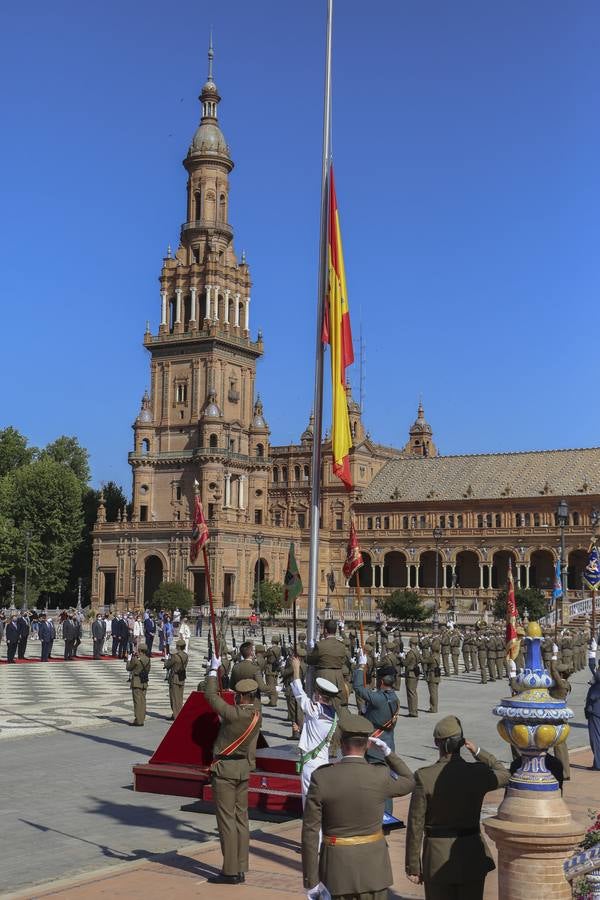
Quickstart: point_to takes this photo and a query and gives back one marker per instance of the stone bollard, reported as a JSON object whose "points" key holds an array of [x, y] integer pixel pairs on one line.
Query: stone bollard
{"points": [[533, 828]]}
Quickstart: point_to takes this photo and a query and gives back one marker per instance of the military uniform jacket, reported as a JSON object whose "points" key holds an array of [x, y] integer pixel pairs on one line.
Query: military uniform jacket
{"points": [[234, 722], [246, 668], [137, 665], [176, 665], [411, 663], [455, 644], [431, 661], [449, 794], [328, 657], [346, 800], [382, 707], [273, 657], [561, 688]]}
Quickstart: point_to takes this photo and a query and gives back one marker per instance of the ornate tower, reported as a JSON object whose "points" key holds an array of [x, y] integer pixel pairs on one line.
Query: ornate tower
{"points": [[420, 441]]}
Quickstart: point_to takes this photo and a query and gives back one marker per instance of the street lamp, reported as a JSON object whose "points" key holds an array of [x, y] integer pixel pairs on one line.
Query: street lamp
{"points": [[438, 534], [259, 538], [79, 580], [562, 519], [27, 542], [13, 581]]}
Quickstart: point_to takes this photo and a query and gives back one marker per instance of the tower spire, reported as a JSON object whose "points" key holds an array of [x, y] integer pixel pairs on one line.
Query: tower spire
{"points": [[211, 56]]}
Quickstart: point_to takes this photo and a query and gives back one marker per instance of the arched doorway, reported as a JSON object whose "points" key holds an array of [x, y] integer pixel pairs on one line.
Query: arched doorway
{"points": [[541, 570], [261, 570], [427, 566], [467, 570], [395, 571], [365, 573], [577, 561], [500, 568], [153, 576]]}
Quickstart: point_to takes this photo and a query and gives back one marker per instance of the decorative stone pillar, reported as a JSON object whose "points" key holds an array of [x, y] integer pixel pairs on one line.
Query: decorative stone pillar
{"points": [[237, 311], [227, 489], [241, 498], [247, 315], [163, 309], [533, 828], [193, 305], [226, 307], [178, 306], [208, 301]]}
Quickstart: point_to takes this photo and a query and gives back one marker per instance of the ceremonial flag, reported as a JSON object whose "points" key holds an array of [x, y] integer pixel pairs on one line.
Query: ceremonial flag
{"points": [[199, 529], [512, 641], [354, 559], [591, 573], [338, 334], [292, 580], [557, 590]]}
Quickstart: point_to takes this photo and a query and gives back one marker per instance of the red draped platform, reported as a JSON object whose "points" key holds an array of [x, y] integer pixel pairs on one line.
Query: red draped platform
{"points": [[180, 765]]}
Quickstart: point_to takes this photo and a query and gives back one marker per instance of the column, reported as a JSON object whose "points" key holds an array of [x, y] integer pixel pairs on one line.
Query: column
{"points": [[163, 308], [416, 575], [178, 306], [490, 566], [227, 489], [226, 307], [237, 311], [193, 305], [380, 575], [481, 567], [372, 575], [247, 315], [241, 500], [527, 565], [216, 305], [208, 300]]}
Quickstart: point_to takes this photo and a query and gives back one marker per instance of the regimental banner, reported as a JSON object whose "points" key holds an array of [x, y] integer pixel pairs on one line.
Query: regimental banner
{"points": [[200, 533], [512, 641], [354, 559], [292, 580], [591, 573]]}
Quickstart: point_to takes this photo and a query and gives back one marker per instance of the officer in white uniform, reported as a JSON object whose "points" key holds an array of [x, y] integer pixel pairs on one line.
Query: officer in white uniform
{"points": [[320, 723]]}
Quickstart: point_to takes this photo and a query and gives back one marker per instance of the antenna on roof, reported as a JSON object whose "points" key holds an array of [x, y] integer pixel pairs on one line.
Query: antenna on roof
{"points": [[362, 366]]}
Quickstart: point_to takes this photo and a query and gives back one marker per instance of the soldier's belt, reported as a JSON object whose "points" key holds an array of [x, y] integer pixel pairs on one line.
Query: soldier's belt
{"points": [[333, 841]]}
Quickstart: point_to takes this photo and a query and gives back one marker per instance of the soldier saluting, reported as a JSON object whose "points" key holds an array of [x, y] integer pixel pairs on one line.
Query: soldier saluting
{"points": [[138, 665], [176, 666]]}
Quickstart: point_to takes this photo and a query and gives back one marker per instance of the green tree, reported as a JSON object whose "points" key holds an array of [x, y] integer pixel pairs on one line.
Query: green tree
{"points": [[172, 595], [531, 599], [14, 451], [41, 502], [405, 606], [271, 598], [67, 451]]}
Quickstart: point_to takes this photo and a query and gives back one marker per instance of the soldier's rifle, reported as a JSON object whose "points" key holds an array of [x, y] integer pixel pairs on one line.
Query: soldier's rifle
{"points": [[264, 637]]}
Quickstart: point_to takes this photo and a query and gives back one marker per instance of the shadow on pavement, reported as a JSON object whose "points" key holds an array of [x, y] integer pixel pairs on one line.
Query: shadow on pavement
{"points": [[149, 817]]}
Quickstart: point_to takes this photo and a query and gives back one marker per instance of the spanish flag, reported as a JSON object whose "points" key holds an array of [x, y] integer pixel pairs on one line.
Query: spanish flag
{"points": [[338, 334], [512, 640]]}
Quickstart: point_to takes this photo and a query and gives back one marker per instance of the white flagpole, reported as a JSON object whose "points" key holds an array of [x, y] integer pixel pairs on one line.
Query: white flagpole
{"points": [[313, 567]]}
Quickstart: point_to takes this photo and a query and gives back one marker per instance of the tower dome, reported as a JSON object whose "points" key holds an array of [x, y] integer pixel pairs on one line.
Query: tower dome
{"points": [[420, 426], [209, 138], [145, 413], [309, 432], [258, 420], [420, 434], [211, 410]]}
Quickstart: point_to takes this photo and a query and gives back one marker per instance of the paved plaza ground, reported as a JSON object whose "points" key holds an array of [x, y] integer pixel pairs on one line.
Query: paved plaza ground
{"points": [[69, 808]]}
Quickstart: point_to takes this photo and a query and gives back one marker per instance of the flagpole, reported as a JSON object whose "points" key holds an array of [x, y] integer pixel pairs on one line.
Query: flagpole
{"points": [[313, 567], [212, 608]]}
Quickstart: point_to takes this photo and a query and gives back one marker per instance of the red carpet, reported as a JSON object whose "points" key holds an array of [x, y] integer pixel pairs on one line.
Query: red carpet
{"points": [[59, 659]]}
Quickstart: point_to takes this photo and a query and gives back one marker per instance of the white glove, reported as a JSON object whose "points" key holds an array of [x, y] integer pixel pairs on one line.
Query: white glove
{"points": [[554, 649], [381, 745], [512, 668], [215, 663], [319, 892], [362, 658]]}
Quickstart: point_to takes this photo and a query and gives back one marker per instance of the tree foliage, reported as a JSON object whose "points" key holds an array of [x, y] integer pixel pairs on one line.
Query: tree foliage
{"points": [[271, 598], [531, 599], [67, 451], [405, 606], [172, 595], [14, 451], [41, 517]]}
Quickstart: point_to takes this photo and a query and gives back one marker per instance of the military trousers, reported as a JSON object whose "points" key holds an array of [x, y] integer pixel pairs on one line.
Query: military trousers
{"points": [[500, 667], [467, 660], [483, 667], [466, 890], [455, 663], [271, 682], [474, 660], [491, 664], [364, 895], [138, 695], [561, 752], [433, 696], [412, 697], [231, 808], [446, 662], [175, 697]]}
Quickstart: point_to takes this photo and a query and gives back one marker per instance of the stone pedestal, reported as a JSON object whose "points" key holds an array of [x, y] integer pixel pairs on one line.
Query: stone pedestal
{"points": [[534, 836]]}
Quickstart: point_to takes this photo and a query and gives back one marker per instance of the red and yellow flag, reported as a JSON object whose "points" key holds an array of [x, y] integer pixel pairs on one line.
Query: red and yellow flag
{"points": [[199, 530], [512, 640], [354, 558], [338, 334]]}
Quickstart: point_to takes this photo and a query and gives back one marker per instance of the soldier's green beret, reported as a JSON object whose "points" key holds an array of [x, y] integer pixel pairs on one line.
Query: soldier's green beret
{"points": [[246, 686], [142, 648], [356, 726], [180, 643], [447, 727]]}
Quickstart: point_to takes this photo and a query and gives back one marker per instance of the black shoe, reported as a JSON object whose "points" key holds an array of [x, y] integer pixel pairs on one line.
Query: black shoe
{"points": [[136, 724], [242, 877], [224, 879]]}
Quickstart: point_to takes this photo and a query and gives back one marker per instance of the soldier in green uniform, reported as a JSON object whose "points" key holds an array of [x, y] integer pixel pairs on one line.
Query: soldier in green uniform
{"points": [[247, 667], [445, 647], [138, 666], [445, 849], [328, 656], [176, 666], [547, 648], [474, 655], [411, 677], [455, 649], [466, 650], [273, 658], [491, 655], [345, 803], [432, 675], [295, 714], [234, 753], [482, 657]]}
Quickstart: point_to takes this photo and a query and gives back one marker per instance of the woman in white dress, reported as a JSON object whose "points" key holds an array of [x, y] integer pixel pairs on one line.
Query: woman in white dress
{"points": [[185, 633]]}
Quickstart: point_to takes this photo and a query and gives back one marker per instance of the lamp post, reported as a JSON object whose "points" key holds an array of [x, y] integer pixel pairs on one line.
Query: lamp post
{"points": [[79, 581], [259, 538], [562, 519], [437, 536], [13, 581], [27, 542]]}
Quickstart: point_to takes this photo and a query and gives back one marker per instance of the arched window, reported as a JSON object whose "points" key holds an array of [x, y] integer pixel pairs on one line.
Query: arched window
{"points": [[377, 521], [197, 206], [459, 520], [209, 207], [536, 520], [296, 473], [306, 473], [488, 520], [260, 450], [518, 520], [284, 473], [405, 521], [422, 522], [145, 446], [575, 518], [442, 521], [527, 519], [369, 524], [213, 441], [480, 520], [498, 520], [275, 474], [222, 207], [413, 521]]}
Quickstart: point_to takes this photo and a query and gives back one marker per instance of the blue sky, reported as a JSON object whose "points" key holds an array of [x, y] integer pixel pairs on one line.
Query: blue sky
{"points": [[466, 146]]}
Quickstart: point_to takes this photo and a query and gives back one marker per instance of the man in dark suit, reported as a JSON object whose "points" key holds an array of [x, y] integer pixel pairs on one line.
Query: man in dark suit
{"points": [[149, 632], [78, 634], [23, 629], [98, 635], [46, 637], [69, 632], [12, 639], [116, 635]]}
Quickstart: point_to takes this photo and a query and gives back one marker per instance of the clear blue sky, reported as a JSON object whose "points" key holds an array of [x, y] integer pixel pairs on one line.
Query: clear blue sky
{"points": [[467, 148]]}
